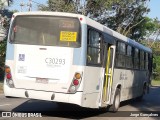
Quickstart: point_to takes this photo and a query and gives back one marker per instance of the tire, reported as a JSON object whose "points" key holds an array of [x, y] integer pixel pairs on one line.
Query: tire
{"points": [[116, 102], [143, 93]]}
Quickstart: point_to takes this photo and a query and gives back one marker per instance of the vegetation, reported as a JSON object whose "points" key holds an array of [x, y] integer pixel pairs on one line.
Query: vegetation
{"points": [[125, 17], [155, 83], [2, 57], [152, 41], [4, 25], [156, 72], [1, 88]]}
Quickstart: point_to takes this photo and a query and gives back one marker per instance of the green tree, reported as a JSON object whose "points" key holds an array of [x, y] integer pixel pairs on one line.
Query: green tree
{"points": [[156, 71], [141, 31], [128, 15], [152, 41], [59, 5], [4, 25], [153, 34], [120, 15]]}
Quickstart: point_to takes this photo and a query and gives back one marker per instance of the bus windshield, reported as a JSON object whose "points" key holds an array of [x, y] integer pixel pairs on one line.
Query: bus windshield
{"points": [[46, 31]]}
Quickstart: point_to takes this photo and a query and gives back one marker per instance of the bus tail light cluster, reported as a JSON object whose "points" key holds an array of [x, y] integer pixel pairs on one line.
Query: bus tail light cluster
{"points": [[75, 83], [8, 76]]}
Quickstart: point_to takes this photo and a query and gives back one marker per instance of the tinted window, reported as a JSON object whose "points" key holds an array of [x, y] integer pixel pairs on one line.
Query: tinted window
{"points": [[120, 56], [136, 58], [121, 48], [46, 30], [94, 47]]}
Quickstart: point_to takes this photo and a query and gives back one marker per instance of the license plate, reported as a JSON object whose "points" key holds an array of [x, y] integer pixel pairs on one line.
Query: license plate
{"points": [[42, 80]]}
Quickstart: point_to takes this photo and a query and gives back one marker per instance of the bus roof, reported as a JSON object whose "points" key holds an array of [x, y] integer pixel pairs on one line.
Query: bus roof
{"points": [[93, 23]]}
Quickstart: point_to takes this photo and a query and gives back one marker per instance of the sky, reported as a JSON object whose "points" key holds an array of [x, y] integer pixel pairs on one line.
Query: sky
{"points": [[16, 4], [154, 6]]}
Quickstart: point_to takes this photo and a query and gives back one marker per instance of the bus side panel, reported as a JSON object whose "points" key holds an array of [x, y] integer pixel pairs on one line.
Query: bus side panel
{"points": [[91, 87], [131, 82]]}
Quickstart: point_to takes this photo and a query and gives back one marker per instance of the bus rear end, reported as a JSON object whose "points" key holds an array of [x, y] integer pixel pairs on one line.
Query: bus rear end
{"points": [[40, 58]]}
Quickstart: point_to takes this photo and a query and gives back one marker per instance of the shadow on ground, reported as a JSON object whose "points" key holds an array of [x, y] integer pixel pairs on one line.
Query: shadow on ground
{"points": [[51, 109]]}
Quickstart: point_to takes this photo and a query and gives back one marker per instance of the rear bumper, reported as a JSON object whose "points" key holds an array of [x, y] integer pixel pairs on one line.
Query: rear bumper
{"points": [[44, 95]]}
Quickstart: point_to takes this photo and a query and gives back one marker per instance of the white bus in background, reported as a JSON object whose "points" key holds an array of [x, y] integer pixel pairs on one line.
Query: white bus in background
{"points": [[69, 58]]}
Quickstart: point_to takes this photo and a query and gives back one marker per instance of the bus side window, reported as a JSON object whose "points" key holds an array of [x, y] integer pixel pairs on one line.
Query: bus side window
{"points": [[94, 47], [146, 61], [136, 58], [120, 54], [150, 62], [141, 60], [129, 63]]}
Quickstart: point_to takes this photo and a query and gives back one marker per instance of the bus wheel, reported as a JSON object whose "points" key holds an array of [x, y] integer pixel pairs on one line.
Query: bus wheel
{"points": [[116, 102], [143, 93]]}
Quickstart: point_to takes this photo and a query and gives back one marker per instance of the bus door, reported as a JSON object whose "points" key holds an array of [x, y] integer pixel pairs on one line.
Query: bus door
{"points": [[109, 65]]}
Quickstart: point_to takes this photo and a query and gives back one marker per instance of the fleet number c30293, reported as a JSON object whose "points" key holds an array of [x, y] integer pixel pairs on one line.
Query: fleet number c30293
{"points": [[56, 61]]}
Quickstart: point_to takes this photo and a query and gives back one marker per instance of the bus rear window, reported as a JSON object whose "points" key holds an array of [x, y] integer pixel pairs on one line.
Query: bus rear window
{"points": [[46, 30]]}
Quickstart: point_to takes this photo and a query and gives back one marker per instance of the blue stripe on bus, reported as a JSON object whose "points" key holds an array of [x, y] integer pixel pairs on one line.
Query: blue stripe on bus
{"points": [[77, 57], [10, 52], [79, 54]]}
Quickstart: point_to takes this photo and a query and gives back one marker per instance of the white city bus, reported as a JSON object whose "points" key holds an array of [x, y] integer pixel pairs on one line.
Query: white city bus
{"points": [[69, 58]]}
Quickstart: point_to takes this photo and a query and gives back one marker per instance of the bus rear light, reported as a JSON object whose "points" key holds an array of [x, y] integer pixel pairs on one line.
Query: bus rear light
{"points": [[72, 89], [10, 83], [8, 76], [81, 19], [7, 70], [77, 75], [75, 82]]}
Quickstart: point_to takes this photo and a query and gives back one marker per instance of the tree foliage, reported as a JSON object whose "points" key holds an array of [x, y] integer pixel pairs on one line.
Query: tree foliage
{"points": [[141, 31], [152, 41], [125, 17], [153, 34], [4, 25], [156, 71], [60, 5]]}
